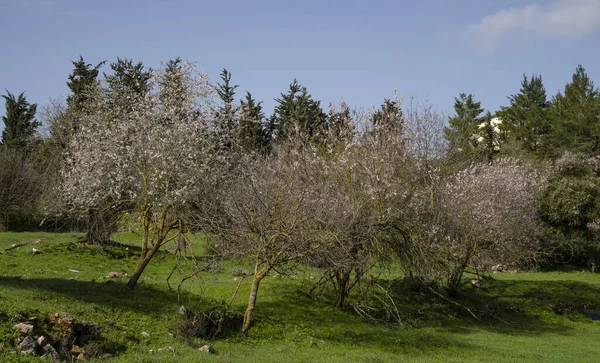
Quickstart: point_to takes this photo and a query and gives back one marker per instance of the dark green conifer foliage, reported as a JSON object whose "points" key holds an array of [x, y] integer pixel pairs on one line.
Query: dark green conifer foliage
{"points": [[388, 116], [575, 116], [489, 145], [128, 81], [464, 125], [226, 92], [297, 113], [526, 120], [252, 135], [19, 121], [83, 77], [340, 124]]}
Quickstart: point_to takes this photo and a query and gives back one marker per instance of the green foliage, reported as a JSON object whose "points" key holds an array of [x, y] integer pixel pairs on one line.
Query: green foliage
{"points": [[571, 205], [252, 136], [542, 312], [526, 120], [83, 77], [296, 113], [389, 115], [464, 125], [19, 121], [128, 80], [226, 92], [575, 116]]}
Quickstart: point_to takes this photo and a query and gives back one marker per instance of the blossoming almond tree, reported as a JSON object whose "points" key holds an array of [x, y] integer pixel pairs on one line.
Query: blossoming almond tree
{"points": [[146, 160]]}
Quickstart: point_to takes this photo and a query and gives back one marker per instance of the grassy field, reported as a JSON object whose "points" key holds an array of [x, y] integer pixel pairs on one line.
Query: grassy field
{"points": [[540, 316]]}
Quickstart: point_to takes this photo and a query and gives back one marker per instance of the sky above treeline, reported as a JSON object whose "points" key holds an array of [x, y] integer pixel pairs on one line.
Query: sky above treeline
{"points": [[361, 51]]}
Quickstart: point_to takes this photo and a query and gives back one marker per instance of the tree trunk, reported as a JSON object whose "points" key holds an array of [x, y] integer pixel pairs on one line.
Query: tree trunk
{"points": [[343, 281], [144, 260], [248, 316]]}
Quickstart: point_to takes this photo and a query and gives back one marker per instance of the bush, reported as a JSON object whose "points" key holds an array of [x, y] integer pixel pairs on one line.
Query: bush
{"points": [[571, 207]]}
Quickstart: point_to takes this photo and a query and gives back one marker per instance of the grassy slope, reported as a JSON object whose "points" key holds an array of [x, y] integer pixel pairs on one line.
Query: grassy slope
{"points": [[290, 327]]}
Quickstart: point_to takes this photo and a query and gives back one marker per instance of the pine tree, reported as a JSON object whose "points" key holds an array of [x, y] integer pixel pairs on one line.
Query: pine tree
{"points": [[83, 77], [172, 86], [297, 113], [526, 120], [488, 132], [388, 116], [226, 92], [19, 122], [128, 81], [575, 116], [340, 123], [252, 135], [464, 125]]}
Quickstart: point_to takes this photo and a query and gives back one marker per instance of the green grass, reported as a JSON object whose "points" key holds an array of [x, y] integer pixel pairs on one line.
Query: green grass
{"points": [[289, 326]]}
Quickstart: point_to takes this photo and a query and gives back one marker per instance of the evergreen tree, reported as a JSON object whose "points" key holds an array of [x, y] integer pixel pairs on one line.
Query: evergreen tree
{"points": [[83, 77], [389, 115], [226, 92], [171, 85], [252, 136], [489, 134], [464, 125], [575, 116], [128, 81], [526, 120], [19, 122], [340, 123], [297, 113]]}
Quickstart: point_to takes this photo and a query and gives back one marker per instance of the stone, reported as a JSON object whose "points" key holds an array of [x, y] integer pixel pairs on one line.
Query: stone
{"points": [[145, 334], [166, 350], [182, 310], [27, 344], [50, 353], [28, 351], [81, 356], [35, 251], [593, 315], [239, 272], [106, 356], [498, 268], [38, 241], [477, 284], [24, 328], [42, 341], [77, 349], [207, 349]]}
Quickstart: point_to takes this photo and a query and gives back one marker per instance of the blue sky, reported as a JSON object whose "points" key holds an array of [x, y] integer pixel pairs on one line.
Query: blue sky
{"points": [[359, 50]]}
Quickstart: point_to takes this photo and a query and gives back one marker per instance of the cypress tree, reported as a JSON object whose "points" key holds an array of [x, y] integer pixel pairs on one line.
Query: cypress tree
{"points": [[19, 121], [83, 77]]}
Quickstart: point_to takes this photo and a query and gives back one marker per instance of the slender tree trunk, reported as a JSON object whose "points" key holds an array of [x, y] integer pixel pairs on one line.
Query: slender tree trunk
{"points": [[144, 260], [343, 280], [259, 273]]}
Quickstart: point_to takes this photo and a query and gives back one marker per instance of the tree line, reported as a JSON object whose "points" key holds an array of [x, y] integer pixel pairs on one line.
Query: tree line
{"points": [[346, 192]]}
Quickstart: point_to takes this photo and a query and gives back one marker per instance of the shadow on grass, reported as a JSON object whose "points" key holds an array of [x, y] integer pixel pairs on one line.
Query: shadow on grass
{"points": [[109, 294], [526, 308]]}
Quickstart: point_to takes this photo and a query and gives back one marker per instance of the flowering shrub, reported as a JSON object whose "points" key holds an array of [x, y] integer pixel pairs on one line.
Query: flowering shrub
{"points": [[147, 158], [486, 210]]}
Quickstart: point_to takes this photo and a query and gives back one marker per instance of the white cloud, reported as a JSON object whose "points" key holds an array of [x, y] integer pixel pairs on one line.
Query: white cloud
{"points": [[559, 19]]}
